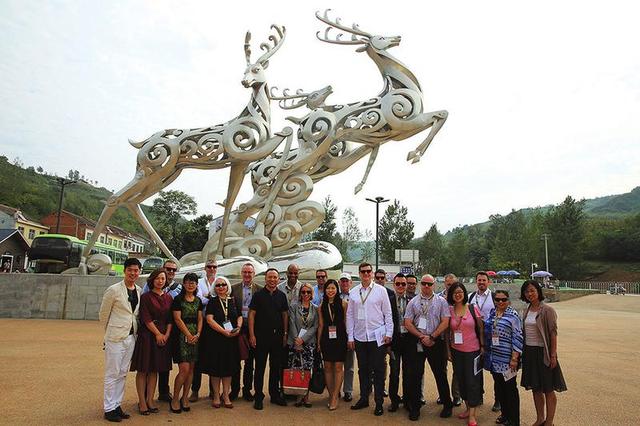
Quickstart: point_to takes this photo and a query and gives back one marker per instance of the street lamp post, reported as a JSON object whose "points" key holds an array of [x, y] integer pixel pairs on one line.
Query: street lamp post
{"points": [[546, 250], [63, 182], [377, 200]]}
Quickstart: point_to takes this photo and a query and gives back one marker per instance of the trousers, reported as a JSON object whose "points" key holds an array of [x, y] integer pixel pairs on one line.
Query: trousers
{"points": [[508, 397], [371, 361], [117, 360], [347, 385], [268, 347]]}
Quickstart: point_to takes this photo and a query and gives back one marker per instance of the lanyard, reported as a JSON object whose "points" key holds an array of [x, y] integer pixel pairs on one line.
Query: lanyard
{"points": [[459, 318], [305, 317], [225, 308], [495, 323], [367, 296], [402, 306], [422, 305], [330, 307], [486, 297]]}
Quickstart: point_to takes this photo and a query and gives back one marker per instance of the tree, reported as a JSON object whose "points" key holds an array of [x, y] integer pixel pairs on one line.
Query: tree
{"points": [[39, 169], [351, 233], [368, 246], [327, 229], [431, 248], [195, 235], [396, 231], [168, 210], [565, 223], [457, 253]]}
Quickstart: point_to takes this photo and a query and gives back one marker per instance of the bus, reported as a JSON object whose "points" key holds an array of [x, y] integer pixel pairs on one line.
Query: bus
{"points": [[54, 253], [149, 264]]}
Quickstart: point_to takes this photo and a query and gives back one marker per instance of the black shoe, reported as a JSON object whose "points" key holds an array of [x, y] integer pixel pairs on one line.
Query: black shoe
{"points": [[496, 407], [385, 393], [247, 396], [233, 396], [446, 411], [279, 401], [362, 403], [423, 402], [393, 407], [439, 401], [379, 410], [501, 420], [121, 413], [347, 397], [112, 416], [257, 404], [414, 415], [457, 401], [183, 408], [175, 411], [166, 397]]}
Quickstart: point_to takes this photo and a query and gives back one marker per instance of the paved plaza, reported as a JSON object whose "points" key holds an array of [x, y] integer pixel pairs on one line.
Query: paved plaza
{"points": [[53, 371]]}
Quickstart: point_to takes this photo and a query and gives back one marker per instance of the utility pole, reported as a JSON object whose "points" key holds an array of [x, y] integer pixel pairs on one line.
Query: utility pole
{"points": [[546, 249], [62, 182], [377, 200]]}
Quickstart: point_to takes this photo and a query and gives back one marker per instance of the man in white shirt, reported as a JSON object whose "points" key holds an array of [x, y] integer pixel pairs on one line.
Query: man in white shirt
{"points": [[119, 313], [347, 385], [205, 289], [369, 328]]}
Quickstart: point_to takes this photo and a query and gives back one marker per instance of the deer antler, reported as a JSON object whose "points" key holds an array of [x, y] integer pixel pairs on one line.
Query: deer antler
{"points": [[277, 40], [285, 97], [354, 30]]}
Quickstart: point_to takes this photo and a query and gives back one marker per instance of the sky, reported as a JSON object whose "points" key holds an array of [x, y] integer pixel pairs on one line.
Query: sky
{"points": [[543, 97]]}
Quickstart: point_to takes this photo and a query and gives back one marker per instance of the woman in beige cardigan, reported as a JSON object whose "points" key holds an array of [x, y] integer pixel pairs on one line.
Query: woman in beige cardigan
{"points": [[540, 369]]}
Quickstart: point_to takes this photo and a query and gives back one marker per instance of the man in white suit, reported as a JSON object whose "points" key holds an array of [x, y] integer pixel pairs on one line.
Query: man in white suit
{"points": [[119, 313]]}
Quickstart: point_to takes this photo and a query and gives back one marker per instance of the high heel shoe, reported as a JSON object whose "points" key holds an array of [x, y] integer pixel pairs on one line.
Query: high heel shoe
{"points": [[143, 412], [173, 410], [215, 404], [184, 408]]}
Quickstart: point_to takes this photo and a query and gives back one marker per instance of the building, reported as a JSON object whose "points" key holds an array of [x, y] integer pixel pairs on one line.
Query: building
{"points": [[83, 228], [12, 218], [13, 250]]}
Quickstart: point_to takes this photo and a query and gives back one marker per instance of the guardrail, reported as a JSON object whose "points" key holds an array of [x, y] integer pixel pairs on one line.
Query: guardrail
{"points": [[602, 286]]}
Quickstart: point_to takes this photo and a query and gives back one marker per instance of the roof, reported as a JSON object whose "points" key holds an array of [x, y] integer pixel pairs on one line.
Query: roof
{"points": [[5, 234], [20, 216], [110, 229]]}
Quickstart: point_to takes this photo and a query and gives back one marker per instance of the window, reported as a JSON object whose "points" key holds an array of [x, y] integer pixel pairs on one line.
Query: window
{"points": [[89, 234], [41, 233], [21, 229], [102, 239], [109, 241], [32, 234]]}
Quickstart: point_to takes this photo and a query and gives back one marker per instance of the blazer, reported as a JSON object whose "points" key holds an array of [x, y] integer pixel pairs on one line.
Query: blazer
{"points": [[236, 292], [295, 324], [115, 312], [395, 339], [547, 323]]}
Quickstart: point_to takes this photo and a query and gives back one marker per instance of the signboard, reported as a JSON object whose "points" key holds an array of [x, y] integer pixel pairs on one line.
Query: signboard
{"points": [[407, 255], [406, 270]]}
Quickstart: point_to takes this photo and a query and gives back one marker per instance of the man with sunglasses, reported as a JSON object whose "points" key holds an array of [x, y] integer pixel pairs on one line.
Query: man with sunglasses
{"points": [[427, 318], [205, 290], [318, 289], [412, 284], [369, 321]]}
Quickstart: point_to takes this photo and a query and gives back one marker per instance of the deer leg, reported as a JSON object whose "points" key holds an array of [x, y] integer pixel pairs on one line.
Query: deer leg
{"points": [[137, 213], [236, 176], [372, 159], [106, 214], [435, 121]]}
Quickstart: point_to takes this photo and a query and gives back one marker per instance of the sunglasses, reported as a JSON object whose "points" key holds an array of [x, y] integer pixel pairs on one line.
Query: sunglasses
{"points": [[221, 285], [321, 276], [501, 299], [171, 269], [305, 292], [400, 284], [366, 271], [380, 277], [426, 283], [212, 266]]}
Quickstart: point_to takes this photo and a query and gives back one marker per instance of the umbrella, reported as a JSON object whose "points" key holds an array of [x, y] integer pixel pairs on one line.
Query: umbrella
{"points": [[502, 273], [541, 274], [491, 273], [512, 273]]}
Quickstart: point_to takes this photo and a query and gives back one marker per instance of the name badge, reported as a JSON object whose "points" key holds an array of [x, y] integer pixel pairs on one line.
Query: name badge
{"points": [[495, 340], [245, 312], [420, 348], [422, 323], [333, 332], [302, 332], [457, 337], [403, 329], [227, 325], [361, 313]]}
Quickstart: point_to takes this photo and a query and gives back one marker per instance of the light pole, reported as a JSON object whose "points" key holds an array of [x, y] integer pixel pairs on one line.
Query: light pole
{"points": [[63, 182], [546, 250], [377, 200]]}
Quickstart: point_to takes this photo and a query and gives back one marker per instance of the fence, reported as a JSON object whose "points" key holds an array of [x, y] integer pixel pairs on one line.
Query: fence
{"points": [[602, 287]]}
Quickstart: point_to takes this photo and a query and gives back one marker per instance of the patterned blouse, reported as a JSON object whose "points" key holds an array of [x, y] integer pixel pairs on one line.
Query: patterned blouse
{"points": [[509, 333]]}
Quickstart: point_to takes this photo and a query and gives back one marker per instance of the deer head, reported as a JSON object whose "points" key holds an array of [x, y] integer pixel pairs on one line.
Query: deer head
{"points": [[254, 73], [312, 100], [375, 42]]}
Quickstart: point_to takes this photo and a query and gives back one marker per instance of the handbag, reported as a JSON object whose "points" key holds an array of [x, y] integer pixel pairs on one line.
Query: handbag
{"points": [[243, 346], [318, 382], [295, 381]]}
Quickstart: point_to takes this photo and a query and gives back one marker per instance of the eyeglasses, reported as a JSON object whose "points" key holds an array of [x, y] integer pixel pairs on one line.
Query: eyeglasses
{"points": [[221, 285], [305, 292], [171, 269], [321, 276], [400, 284], [211, 266], [366, 271], [426, 283], [501, 299]]}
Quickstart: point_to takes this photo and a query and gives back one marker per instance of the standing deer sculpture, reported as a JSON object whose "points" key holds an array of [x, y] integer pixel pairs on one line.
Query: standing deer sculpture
{"points": [[234, 144], [330, 139]]}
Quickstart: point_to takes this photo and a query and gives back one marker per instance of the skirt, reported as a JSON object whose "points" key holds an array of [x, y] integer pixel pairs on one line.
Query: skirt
{"points": [[538, 377]]}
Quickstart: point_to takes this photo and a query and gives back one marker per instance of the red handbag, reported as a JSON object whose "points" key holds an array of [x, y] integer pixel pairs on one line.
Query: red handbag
{"points": [[295, 381]]}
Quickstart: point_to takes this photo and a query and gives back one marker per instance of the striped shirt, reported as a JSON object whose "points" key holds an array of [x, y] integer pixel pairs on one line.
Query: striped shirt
{"points": [[509, 332]]}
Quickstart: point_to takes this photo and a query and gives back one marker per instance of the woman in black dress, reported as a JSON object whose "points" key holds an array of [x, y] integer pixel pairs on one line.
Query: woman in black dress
{"points": [[219, 354], [332, 339], [188, 319]]}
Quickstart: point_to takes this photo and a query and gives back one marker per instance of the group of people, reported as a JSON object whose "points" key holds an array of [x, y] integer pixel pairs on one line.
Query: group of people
{"points": [[228, 332]]}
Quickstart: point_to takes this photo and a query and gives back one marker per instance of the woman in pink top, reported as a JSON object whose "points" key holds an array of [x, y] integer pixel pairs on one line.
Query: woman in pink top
{"points": [[465, 340]]}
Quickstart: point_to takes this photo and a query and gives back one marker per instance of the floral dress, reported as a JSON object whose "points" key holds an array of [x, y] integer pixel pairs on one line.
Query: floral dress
{"points": [[183, 351]]}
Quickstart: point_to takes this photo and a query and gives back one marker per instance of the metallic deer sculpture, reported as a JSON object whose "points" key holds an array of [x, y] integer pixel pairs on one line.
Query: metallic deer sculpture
{"points": [[234, 144]]}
